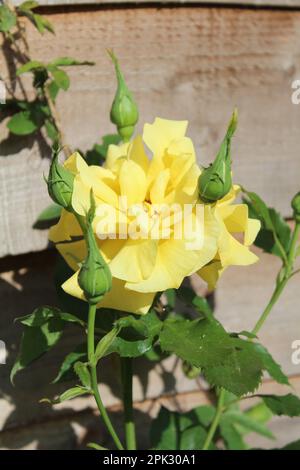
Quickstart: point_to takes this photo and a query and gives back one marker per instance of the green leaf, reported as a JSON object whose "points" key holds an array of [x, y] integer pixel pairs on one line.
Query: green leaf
{"points": [[228, 362], [105, 343], [271, 366], [240, 372], [69, 317], [231, 436], [38, 317], [22, 123], [67, 395], [275, 234], [35, 342], [71, 393], [246, 422], [28, 5], [82, 372], [8, 19], [259, 412], [29, 66], [288, 405], [137, 335], [193, 438], [41, 315], [201, 415], [66, 369], [52, 212], [68, 61], [61, 78], [42, 24], [164, 431], [202, 343], [53, 90], [51, 131], [181, 431]]}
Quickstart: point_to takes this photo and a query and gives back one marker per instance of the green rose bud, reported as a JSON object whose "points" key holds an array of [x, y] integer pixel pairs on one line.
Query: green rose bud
{"points": [[94, 276], [60, 183], [296, 207], [124, 111], [215, 181]]}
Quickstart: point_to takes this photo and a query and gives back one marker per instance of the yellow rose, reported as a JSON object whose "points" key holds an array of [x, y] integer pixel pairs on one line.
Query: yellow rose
{"points": [[148, 248], [233, 219]]}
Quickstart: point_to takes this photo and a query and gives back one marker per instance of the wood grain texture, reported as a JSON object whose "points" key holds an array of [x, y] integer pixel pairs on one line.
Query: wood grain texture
{"points": [[260, 3], [194, 63]]}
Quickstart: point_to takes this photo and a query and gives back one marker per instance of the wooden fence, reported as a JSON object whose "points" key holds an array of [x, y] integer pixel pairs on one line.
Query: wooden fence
{"points": [[183, 60]]}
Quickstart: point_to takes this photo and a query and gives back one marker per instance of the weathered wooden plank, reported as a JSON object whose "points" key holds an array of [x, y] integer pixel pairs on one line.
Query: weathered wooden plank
{"points": [[195, 63], [83, 425], [260, 3], [243, 293]]}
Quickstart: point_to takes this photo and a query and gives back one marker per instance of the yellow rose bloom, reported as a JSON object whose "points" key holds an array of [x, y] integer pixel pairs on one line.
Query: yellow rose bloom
{"points": [[148, 247], [232, 219]]}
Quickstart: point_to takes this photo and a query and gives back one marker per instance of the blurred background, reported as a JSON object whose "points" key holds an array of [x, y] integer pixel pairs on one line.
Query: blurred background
{"points": [[189, 60]]}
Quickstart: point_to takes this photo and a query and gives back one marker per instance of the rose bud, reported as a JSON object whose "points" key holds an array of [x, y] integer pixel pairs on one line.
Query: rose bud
{"points": [[124, 111], [215, 181], [94, 276], [60, 182]]}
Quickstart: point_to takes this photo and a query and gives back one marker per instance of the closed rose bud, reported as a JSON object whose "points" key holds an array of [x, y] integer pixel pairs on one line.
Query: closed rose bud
{"points": [[60, 183], [94, 275], [216, 181], [296, 207], [124, 111]]}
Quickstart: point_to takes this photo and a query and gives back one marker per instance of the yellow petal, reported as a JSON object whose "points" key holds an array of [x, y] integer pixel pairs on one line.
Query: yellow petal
{"points": [[236, 253], [135, 261], [211, 273], [132, 182], [235, 217], [81, 197], [66, 228], [73, 253], [115, 155], [253, 227], [137, 154], [75, 163], [159, 187], [118, 298], [181, 156], [177, 259], [230, 197], [159, 135]]}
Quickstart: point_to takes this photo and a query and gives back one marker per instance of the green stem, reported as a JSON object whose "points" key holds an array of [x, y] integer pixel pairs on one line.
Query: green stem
{"points": [[215, 422], [287, 272], [126, 375], [280, 285], [275, 296], [94, 381]]}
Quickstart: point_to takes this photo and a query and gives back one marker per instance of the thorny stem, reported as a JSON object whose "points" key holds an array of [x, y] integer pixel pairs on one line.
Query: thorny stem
{"points": [[285, 274], [94, 381], [25, 57], [126, 374], [56, 120]]}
